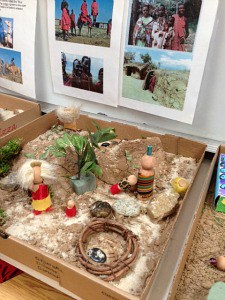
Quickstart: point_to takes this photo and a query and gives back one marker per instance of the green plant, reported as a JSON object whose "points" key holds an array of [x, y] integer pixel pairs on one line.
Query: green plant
{"points": [[2, 213], [83, 147], [129, 158], [3, 217], [7, 154]]}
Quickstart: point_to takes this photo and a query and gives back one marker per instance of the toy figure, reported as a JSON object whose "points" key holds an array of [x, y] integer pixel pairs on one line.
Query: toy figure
{"points": [[71, 209], [180, 185], [68, 116], [31, 177], [146, 176], [124, 184]]}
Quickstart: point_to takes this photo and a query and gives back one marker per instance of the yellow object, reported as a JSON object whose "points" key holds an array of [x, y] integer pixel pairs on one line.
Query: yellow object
{"points": [[43, 204], [180, 185]]}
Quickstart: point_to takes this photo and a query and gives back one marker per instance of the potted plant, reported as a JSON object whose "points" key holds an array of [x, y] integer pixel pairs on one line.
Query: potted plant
{"points": [[86, 161]]}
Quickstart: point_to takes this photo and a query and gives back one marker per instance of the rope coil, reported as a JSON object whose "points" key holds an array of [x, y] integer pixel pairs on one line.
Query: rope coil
{"points": [[108, 272]]}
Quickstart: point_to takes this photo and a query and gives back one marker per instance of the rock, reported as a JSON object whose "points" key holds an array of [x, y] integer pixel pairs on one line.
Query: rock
{"points": [[163, 205], [9, 183], [127, 207], [100, 209], [217, 291], [114, 163]]}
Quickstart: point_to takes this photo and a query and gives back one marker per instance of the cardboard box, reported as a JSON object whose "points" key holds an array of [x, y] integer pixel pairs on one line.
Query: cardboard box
{"points": [[31, 111], [71, 278], [209, 164]]}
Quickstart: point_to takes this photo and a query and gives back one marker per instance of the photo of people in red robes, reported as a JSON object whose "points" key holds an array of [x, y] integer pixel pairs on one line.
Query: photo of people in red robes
{"points": [[169, 25], [84, 21], [83, 72]]}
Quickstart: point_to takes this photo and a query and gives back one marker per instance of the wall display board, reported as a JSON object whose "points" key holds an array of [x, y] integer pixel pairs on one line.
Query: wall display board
{"points": [[165, 46], [17, 41], [84, 43]]}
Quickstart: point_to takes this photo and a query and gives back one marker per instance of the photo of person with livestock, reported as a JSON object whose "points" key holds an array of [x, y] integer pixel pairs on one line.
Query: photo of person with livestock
{"points": [[84, 21], [10, 65], [164, 24], [83, 72], [6, 32]]}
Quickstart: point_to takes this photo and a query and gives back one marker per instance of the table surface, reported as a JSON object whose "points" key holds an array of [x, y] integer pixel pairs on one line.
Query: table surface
{"points": [[25, 287]]}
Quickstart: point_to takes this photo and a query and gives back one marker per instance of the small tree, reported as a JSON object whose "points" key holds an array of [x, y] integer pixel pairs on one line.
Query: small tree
{"points": [[84, 148], [146, 58]]}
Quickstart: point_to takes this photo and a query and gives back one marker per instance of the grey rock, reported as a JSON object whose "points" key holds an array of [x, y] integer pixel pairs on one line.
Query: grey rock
{"points": [[9, 183]]}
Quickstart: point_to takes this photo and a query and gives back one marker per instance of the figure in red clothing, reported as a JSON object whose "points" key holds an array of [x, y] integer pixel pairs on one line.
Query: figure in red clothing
{"points": [[73, 23], [82, 77], [98, 88], [71, 209], [84, 18], [31, 177], [65, 22], [181, 31], [84, 11], [94, 11]]}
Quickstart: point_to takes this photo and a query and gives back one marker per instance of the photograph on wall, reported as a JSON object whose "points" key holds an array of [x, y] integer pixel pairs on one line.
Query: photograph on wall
{"points": [[165, 46], [84, 67], [164, 24], [82, 72], [6, 32], [17, 46], [84, 21], [10, 65], [156, 77]]}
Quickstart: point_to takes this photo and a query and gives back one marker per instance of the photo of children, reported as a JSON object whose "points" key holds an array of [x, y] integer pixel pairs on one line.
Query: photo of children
{"points": [[82, 72], [84, 21], [10, 65], [164, 24], [6, 32], [156, 77]]}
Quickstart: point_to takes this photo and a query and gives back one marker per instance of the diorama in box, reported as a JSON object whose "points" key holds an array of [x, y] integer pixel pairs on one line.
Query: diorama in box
{"points": [[203, 274], [117, 230]]}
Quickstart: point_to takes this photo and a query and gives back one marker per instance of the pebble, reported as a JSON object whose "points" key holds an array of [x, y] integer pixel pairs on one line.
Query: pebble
{"points": [[97, 255]]}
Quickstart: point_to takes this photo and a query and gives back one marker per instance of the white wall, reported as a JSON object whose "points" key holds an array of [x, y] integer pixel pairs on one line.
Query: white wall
{"points": [[209, 121]]}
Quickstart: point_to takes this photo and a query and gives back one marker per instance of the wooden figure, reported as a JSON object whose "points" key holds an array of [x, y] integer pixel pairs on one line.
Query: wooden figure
{"points": [[71, 209], [123, 185], [31, 177], [146, 176], [68, 116]]}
